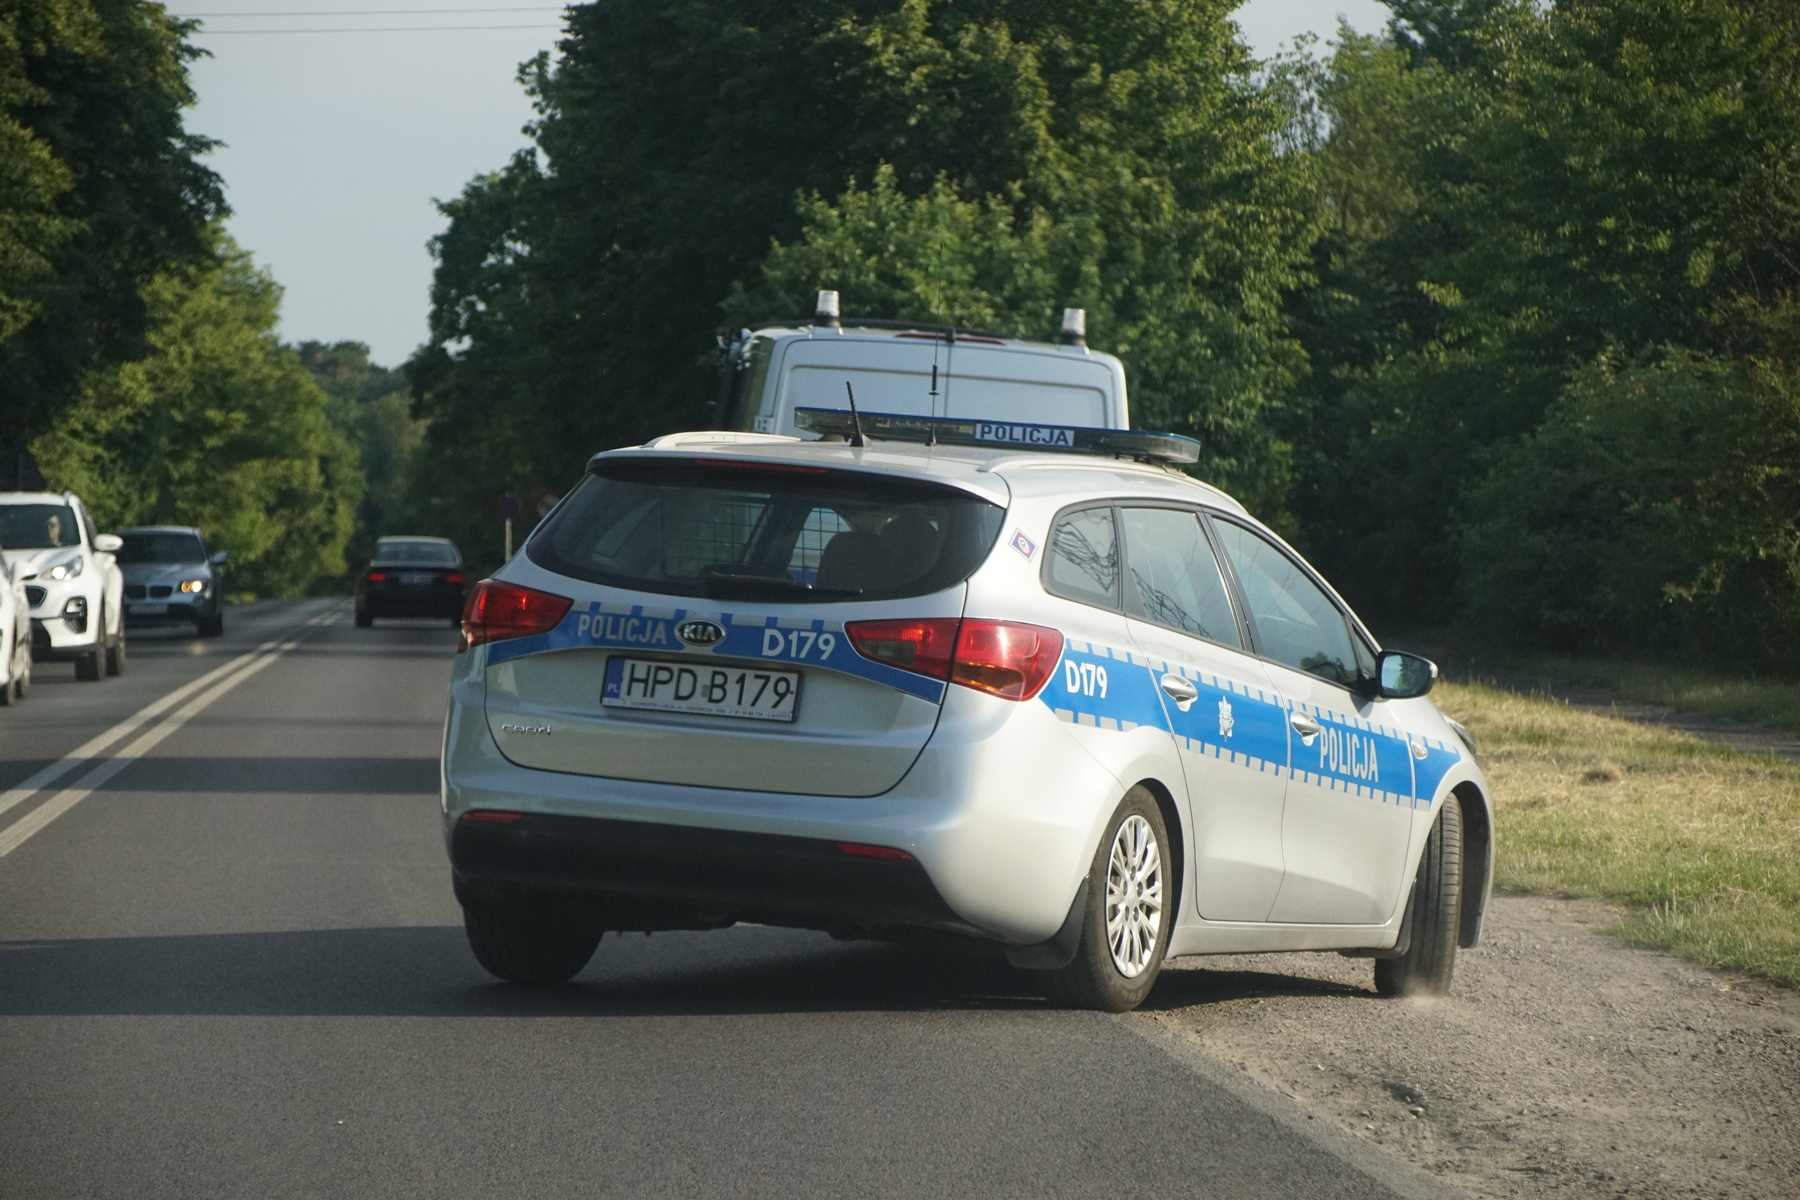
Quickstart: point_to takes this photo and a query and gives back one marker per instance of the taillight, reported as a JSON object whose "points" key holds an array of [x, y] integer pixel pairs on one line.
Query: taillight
{"points": [[492, 816], [377, 576], [454, 577], [1008, 659], [923, 646], [864, 850], [497, 611]]}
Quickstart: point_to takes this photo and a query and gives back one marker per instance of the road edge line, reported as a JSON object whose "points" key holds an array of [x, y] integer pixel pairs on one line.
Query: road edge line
{"points": [[1403, 1178]]}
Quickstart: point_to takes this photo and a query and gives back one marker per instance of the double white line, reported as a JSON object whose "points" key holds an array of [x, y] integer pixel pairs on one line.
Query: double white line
{"points": [[197, 695]]}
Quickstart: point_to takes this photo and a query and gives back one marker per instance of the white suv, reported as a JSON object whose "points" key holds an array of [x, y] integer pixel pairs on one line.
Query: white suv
{"points": [[1078, 705], [72, 583]]}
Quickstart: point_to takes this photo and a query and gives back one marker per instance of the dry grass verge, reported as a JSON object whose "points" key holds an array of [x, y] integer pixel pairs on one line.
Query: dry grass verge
{"points": [[1702, 840]]}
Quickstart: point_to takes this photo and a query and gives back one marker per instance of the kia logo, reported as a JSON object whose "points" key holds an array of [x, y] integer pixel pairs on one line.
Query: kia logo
{"points": [[700, 633]]}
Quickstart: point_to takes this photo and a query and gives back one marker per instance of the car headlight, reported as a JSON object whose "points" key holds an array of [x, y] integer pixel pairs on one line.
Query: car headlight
{"points": [[65, 570], [193, 585]]}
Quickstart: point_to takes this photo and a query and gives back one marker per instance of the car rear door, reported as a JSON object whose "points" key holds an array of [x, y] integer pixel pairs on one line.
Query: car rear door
{"points": [[1227, 718], [1347, 823]]}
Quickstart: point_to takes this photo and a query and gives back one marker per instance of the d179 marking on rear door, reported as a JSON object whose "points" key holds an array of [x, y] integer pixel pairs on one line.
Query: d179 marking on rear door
{"points": [[1084, 678]]}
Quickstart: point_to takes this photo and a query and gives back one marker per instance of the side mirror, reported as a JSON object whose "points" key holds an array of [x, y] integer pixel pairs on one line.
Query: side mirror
{"points": [[109, 543], [220, 559], [1404, 676]]}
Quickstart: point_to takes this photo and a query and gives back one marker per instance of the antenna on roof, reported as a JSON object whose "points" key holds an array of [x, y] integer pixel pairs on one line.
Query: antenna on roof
{"points": [[856, 433], [825, 312], [1074, 327]]}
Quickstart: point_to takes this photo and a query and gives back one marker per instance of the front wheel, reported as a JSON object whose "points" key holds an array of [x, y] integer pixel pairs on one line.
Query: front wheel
{"points": [[90, 665], [1433, 917], [529, 942], [1130, 908], [115, 654]]}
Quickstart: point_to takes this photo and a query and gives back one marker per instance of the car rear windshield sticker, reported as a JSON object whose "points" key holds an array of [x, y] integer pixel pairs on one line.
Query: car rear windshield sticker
{"points": [[804, 642]]}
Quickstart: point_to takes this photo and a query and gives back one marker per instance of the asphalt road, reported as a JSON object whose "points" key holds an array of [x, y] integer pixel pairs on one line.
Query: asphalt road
{"points": [[231, 965]]}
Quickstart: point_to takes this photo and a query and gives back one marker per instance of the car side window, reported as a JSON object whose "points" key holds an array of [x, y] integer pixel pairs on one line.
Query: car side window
{"points": [[1172, 578], [1296, 622], [1083, 559]]}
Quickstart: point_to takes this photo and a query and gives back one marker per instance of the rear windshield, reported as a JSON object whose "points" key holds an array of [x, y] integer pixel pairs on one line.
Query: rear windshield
{"points": [[38, 526], [162, 548], [778, 533], [439, 554]]}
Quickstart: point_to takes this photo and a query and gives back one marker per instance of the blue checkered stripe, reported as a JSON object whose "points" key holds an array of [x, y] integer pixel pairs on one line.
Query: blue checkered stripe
{"points": [[1106, 687], [1103, 687], [790, 641]]}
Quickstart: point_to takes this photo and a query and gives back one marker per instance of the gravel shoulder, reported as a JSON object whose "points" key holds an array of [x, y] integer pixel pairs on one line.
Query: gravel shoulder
{"points": [[1564, 1063]]}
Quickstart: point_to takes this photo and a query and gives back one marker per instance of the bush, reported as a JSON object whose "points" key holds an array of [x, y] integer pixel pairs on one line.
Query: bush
{"points": [[1657, 506]]}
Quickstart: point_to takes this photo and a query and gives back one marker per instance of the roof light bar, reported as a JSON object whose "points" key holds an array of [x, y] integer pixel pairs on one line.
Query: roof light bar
{"points": [[1011, 435]]}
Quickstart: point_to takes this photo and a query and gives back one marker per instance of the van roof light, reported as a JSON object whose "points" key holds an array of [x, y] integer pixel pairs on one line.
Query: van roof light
{"points": [[1074, 327], [826, 311], [1170, 448]]}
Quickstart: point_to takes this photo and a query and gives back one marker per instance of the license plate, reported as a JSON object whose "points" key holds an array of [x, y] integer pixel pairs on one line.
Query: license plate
{"points": [[719, 691], [147, 610], [416, 580]]}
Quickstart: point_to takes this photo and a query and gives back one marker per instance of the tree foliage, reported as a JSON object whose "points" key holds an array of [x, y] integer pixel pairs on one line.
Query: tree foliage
{"points": [[219, 427], [1516, 191], [372, 407], [101, 189], [999, 158]]}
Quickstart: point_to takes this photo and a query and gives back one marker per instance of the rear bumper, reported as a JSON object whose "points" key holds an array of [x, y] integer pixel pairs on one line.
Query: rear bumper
{"points": [[647, 876], [411, 601]]}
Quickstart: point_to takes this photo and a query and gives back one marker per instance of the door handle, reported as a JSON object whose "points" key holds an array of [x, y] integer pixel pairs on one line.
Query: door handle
{"points": [[1180, 691], [1305, 726]]}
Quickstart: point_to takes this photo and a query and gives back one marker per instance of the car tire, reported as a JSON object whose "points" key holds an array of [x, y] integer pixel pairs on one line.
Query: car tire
{"points": [[21, 684], [115, 654], [11, 691], [213, 626], [90, 666], [529, 941], [1433, 918], [1130, 894], [364, 619]]}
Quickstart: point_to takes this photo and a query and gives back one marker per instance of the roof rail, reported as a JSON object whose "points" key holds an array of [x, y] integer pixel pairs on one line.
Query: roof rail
{"points": [[886, 323]]}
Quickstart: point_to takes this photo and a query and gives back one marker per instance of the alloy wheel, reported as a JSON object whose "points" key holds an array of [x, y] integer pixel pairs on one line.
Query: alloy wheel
{"points": [[1134, 896]]}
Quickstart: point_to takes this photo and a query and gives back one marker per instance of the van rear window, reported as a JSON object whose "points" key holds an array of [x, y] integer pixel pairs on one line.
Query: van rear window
{"points": [[721, 530]]}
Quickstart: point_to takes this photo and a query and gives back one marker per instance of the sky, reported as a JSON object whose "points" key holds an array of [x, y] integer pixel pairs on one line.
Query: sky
{"points": [[336, 144]]}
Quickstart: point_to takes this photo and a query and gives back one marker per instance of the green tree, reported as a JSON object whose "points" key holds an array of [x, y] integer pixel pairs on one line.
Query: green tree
{"points": [[1124, 149], [219, 427], [1551, 184], [101, 188], [1659, 504], [371, 406]]}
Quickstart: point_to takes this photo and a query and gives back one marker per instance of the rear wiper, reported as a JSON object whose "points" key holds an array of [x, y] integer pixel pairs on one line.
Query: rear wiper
{"points": [[780, 585]]}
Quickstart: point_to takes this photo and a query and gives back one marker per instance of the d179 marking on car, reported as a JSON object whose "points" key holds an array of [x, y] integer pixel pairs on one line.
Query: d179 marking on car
{"points": [[707, 691], [798, 644]]}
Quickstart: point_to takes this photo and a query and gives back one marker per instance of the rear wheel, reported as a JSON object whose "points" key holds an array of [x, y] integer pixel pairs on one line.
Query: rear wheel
{"points": [[1126, 930], [525, 941], [1434, 916], [364, 618]]}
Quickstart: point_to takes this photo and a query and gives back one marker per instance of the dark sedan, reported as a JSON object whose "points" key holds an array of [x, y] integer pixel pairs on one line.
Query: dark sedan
{"points": [[411, 577]]}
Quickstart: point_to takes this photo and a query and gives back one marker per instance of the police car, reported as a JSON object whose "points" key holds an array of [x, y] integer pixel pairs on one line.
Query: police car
{"points": [[1028, 684]]}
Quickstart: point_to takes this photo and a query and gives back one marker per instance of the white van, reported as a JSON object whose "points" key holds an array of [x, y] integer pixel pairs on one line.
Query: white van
{"points": [[915, 369]]}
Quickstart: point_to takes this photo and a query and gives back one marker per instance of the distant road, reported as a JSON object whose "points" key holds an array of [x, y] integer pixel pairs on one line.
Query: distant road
{"points": [[231, 966]]}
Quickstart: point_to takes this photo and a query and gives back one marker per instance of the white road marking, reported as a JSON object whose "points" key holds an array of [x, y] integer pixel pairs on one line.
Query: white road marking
{"points": [[211, 686]]}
